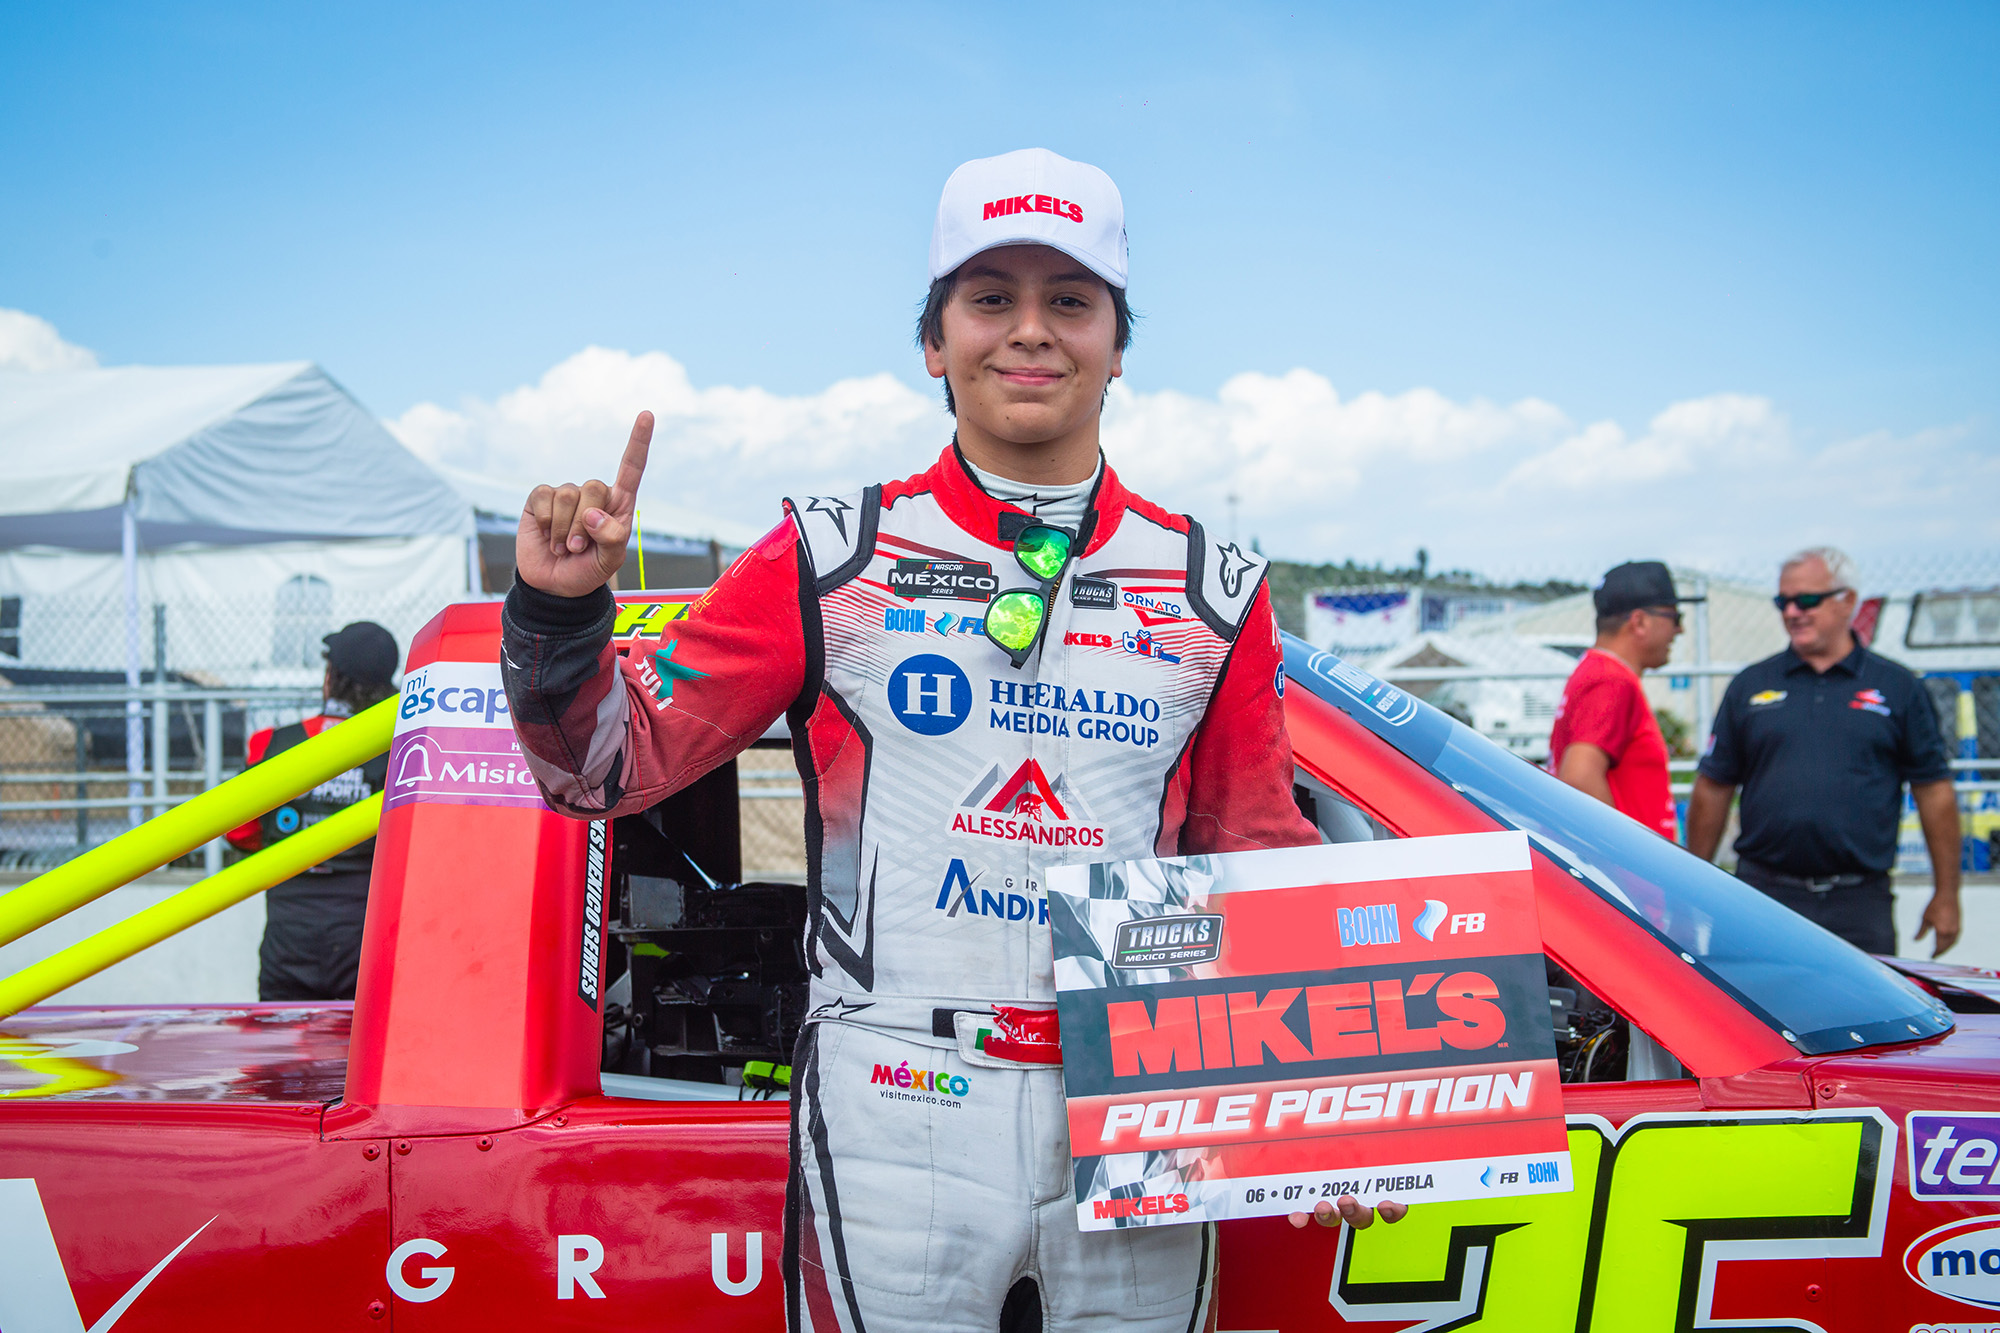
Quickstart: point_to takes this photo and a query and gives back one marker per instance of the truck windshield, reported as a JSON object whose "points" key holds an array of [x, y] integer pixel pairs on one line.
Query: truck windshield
{"points": [[1821, 993]]}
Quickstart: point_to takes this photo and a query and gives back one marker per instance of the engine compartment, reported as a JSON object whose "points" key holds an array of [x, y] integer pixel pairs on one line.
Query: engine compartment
{"points": [[706, 974]]}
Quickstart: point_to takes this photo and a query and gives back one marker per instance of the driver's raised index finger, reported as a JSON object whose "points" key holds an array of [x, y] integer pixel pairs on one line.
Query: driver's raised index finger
{"points": [[625, 490]]}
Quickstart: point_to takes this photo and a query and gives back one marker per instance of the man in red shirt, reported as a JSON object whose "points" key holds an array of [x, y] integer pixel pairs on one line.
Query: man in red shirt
{"points": [[1606, 741]]}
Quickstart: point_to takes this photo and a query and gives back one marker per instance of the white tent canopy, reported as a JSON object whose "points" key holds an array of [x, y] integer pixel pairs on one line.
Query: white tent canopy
{"points": [[251, 509], [208, 455]]}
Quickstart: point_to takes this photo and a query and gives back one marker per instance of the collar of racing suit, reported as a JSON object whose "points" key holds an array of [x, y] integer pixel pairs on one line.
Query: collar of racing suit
{"points": [[951, 481]]}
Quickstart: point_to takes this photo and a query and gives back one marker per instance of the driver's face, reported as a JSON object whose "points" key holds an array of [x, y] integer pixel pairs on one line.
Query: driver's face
{"points": [[1028, 337]]}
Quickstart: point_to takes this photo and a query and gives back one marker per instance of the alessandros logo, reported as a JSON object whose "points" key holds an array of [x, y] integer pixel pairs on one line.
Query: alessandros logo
{"points": [[930, 694], [1960, 1260], [1025, 806]]}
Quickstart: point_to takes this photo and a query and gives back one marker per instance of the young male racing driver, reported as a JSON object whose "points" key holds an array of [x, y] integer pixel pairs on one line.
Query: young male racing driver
{"points": [[1004, 663]]}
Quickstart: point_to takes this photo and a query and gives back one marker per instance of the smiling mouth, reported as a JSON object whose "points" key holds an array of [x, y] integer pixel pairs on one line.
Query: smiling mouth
{"points": [[1030, 376]]}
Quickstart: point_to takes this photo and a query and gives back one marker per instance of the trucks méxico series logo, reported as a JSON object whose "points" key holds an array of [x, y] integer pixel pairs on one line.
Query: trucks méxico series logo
{"points": [[1175, 941]]}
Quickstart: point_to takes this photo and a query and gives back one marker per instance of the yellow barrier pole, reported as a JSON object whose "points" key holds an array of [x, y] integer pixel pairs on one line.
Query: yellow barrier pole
{"points": [[252, 875], [180, 830]]}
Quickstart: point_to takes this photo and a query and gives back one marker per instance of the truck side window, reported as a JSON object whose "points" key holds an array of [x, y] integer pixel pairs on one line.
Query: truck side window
{"points": [[1337, 818], [1595, 1044]]}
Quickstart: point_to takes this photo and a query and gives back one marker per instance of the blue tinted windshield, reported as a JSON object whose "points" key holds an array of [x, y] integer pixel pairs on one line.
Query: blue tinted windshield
{"points": [[1820, 992]]}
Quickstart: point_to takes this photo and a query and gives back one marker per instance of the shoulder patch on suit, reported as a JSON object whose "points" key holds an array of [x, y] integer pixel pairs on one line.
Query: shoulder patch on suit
{"points": [[1222, 580], [838, 532]]}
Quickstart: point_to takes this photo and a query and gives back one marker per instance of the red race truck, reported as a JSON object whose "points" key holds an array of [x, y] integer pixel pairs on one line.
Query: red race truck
{"points": [[558, 1099]]}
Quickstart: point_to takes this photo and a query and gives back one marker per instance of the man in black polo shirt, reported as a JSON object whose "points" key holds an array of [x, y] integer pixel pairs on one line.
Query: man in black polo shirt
{"points": [[1822, 738]]}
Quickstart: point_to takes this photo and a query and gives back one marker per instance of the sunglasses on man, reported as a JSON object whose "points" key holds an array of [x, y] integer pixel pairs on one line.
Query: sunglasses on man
{"points": [[1806, 601], [1015, 620]]}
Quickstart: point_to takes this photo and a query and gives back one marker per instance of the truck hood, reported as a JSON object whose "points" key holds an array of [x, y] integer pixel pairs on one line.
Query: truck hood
{"points": [[197, 1053], [1949, 981]]}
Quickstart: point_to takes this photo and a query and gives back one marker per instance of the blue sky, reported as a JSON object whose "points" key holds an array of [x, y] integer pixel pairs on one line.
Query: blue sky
{"points": [[1608, 209]]}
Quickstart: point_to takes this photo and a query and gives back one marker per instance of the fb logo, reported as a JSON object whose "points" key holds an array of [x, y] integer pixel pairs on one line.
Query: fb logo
{"points": [[930, 695]]}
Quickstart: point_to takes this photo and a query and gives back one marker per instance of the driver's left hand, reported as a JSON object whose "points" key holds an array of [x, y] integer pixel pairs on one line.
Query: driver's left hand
{"points": [[1351, 1211]]}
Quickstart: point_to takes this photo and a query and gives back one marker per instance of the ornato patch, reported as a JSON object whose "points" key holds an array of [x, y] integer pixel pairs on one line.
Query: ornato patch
{"points": [[1960, 1260]]}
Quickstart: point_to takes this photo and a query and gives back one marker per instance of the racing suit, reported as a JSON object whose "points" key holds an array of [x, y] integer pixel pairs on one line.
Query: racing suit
{"points": [[930, 1167]]}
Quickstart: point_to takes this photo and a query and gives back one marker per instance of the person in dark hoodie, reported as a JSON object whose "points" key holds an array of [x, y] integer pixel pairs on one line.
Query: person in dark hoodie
{"points": [[312, 922]]}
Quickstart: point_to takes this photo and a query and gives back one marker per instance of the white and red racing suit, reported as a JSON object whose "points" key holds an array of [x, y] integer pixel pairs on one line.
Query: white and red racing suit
{"points": [[930, 1168]]}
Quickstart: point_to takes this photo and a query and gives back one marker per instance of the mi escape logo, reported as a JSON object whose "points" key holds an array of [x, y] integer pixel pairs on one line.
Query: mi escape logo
{"points": [[35, 1294]]}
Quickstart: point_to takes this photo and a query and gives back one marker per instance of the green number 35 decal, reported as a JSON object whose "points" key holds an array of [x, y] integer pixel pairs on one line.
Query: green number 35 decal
{"points": [[1658, 1203]]}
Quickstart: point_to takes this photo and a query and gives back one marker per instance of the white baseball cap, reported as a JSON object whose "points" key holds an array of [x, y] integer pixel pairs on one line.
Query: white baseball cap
{"points": [[1031, 197]]}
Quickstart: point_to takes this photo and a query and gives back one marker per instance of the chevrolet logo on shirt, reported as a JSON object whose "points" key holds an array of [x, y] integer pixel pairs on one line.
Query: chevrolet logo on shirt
{"points": [[1762, 697]]}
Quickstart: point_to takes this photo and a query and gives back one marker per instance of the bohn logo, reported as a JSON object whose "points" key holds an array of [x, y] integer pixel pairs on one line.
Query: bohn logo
{"points": [[1024, 805]]}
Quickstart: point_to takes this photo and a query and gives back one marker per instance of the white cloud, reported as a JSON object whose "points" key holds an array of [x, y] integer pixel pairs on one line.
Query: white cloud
{"points": [[30, 343], [1722, 432], [727, 451], [1516, 488]]}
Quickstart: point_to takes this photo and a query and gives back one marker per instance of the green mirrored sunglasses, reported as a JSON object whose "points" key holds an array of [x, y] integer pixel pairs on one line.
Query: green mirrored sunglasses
{"points": [[1014, 620]]}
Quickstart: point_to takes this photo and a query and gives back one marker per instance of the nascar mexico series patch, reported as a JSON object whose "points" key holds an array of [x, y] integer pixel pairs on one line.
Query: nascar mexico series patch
{"points": [[1248, 1034]]}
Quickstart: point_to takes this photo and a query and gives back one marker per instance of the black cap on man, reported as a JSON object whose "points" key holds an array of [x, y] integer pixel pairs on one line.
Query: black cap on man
{"points": [[363, 652], [1634, 586]]}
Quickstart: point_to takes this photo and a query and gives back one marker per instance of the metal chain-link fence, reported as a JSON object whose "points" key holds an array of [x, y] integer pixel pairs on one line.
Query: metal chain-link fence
{"points": [[1494, 647], [84, 755], [64, 639], [80, 765]]}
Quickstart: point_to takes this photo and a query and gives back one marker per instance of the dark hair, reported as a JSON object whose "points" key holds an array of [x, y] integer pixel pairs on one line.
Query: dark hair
{"points": [[930, 323], [356, 694]]}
